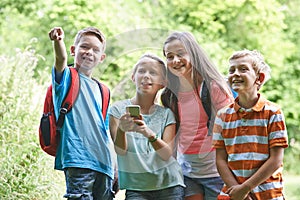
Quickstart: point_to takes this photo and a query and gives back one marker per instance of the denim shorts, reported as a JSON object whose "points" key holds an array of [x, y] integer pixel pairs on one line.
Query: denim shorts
{"points": [[172, 193], [86, 184], [209, 187]]}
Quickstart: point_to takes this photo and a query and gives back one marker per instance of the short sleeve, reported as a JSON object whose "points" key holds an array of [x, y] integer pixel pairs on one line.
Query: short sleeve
{"points": [[277, 130], [218, 140], [219, 98], [118, 108], [170, 118]]}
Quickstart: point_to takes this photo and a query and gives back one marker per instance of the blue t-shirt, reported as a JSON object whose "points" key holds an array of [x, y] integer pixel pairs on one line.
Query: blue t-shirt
{"points": [[85, 141], [141, 168]]}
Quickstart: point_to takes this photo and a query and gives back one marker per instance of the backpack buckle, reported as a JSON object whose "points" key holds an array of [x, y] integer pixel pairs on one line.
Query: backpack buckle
{"points": [[63, 110]]}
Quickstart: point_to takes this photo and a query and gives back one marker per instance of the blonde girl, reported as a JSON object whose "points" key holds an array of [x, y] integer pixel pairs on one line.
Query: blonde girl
{"points": [[144, 146]]}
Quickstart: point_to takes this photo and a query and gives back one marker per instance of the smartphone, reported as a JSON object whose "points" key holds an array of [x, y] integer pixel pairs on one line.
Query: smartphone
{"points": [[134, 111]]}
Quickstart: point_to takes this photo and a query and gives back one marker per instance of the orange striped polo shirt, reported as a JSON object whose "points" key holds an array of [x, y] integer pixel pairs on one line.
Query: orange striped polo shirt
{"points": [[247, 135]]}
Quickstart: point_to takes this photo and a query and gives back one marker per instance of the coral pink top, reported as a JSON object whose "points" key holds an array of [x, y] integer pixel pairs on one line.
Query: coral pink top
{"points": [[193, 137]]}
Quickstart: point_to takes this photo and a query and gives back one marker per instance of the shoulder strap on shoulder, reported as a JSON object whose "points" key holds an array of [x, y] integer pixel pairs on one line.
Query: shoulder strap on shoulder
{"points": [[206, 101], [106, 98], [73, 91], [70, 97], [105, 93]]}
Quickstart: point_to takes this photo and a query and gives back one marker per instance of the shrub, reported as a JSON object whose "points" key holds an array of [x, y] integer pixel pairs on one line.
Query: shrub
{"points": [[25, 172]]}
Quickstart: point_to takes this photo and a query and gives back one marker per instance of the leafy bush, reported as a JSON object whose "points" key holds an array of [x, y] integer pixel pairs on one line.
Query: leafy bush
{"points": [[221, 27], [24, 169]]}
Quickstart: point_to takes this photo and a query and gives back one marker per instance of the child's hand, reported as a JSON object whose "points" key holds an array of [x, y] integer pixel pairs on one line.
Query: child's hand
{"points": [[127, 123], [56, 34], [139, 120], [237, 192], [142, 128]]}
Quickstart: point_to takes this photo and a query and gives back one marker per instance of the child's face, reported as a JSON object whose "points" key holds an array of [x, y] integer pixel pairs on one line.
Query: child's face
{"points": [[241, 75], [88, 52], [148, 76], [178, 60]]}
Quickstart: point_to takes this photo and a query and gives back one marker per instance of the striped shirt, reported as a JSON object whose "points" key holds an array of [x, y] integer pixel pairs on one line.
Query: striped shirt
{"points": [[247, 135]]}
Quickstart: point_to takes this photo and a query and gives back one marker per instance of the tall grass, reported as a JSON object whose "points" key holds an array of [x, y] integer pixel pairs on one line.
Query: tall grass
{"points": [[25, 171]]}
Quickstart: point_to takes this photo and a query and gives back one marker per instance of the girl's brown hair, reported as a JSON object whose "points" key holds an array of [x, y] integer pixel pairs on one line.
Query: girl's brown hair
{"points": [[202, 70]]}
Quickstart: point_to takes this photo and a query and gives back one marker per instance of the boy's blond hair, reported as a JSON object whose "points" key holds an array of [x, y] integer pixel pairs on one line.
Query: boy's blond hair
{"points": [[258, 62]]}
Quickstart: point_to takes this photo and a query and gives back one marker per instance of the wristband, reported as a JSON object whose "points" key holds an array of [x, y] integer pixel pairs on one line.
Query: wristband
{"points": [[153, 139]]}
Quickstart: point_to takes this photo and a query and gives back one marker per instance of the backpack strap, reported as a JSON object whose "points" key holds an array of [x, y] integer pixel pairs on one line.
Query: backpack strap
{"points": [[105, 93], [206, 101], [69, 99], [105, 99]]}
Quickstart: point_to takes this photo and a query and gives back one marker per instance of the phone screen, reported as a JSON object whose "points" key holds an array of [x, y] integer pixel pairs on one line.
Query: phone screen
{"points": [[134, 110]]}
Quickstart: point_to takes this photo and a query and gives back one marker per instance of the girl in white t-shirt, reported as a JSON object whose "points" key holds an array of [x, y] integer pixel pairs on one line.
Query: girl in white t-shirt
{"points": [[144, 146]]}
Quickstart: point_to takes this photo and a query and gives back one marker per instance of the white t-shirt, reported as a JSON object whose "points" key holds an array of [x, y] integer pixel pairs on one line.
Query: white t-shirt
{"points": [[141, 168]]}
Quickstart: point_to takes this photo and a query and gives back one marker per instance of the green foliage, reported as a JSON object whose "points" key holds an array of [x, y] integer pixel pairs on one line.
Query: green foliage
{"points": [[291, 186], [22, 170], [132, 28], [292, 157], [290, 76], [18, 23]]}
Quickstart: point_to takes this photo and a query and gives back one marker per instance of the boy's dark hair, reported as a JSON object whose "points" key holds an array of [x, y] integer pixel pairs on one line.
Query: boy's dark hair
{"points": [[93, 31]]}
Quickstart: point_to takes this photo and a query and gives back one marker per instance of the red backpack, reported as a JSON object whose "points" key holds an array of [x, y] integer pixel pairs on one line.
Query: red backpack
{"points": [[49, 130]]}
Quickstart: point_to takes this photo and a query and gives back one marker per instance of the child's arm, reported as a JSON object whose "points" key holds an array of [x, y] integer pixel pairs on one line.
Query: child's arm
{"points": [[118, 136], [223, 169], [263, 173], [57, 36], [273, 163], [228, 177], [164, 146]]}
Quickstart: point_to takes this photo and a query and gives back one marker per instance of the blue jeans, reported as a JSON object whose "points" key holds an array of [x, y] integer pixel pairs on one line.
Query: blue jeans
{"points": [[172, 193], [209, 187], [86, 184]]}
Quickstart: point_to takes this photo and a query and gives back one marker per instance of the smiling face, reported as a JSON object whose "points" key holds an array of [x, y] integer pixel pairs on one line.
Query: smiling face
{"points": [[242, 77], [148, 76], [178, 60], [88, 53]]}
